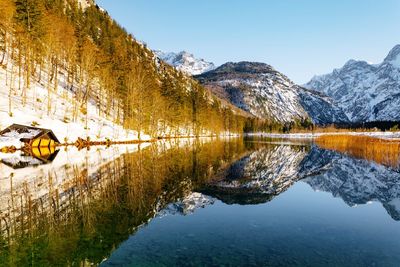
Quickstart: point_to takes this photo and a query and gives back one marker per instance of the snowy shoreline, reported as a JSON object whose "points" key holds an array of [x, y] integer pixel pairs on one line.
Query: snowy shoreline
{"points": [[384, 135]]}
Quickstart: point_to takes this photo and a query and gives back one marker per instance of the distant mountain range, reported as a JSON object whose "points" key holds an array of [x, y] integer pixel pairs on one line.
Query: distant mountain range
{"points": [[259, 89], [358, 92], [365, 92]]}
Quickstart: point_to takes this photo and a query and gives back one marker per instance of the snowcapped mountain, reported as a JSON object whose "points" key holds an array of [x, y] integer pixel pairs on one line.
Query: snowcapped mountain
{"points": [[365, 92], [266, 93], [186, 62]]}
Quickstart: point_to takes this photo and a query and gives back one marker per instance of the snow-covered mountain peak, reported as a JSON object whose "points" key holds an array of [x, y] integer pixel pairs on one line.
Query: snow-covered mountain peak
{"points": [[352, 64], [268, 94], [394, 56], [364, 91], [185, 62]]}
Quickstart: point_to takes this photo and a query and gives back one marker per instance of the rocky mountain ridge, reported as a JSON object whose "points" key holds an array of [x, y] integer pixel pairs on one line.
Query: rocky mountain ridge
{"points": [[268, 94], [364, 91]]}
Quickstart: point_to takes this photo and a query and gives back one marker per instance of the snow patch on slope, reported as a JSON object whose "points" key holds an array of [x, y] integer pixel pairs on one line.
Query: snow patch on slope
{"points": [[85, 3]]}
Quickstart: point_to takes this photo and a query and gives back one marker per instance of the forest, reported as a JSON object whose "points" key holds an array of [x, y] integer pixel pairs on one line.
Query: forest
{"points": [[106, 66]]}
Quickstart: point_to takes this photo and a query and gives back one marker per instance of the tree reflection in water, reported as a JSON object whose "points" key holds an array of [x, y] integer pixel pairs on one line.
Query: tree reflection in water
{"points": [[77, 211], [89, 213]]}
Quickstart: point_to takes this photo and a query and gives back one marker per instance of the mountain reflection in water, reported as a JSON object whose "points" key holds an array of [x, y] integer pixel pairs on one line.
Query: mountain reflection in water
{"points": [[81, 207], [267, 172]]}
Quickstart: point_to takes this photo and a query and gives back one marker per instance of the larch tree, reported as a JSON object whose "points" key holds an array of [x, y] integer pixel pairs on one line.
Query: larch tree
{"points": [[104, 65], [28, 17], [7, 13], [88, 68]]}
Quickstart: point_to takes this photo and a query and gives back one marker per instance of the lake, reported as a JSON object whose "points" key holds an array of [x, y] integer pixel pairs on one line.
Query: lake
{"points": [[200, 202]]}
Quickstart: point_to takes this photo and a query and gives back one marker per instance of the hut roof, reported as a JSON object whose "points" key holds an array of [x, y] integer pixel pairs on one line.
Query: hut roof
{"points": [[28, 132]]}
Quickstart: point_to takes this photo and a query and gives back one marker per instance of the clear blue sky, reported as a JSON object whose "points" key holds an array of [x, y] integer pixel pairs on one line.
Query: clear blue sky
{"points": [[298, 37]]}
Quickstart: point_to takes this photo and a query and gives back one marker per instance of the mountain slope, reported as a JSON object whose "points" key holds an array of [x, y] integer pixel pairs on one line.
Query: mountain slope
{"points": [[365, 92], [268, 94], [73, 68], [186, 62]]}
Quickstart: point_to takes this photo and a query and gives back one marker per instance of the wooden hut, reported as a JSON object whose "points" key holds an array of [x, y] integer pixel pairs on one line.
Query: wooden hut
{"points": [[32, 137]]}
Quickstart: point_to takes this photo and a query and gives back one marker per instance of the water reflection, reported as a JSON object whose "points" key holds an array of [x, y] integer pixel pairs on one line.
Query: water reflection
{"points": [[81, 207], [272, 169], [26, 158], [259, 176], [356, 181]]}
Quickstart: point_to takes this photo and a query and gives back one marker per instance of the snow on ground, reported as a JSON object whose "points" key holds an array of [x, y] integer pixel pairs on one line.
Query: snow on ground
{"points": [[59, 118], [85, 3], [384, 135], [12, 138]]}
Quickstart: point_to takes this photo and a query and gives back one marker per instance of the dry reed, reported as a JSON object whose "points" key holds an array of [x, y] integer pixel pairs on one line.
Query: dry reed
{"points": [[382, 151]]}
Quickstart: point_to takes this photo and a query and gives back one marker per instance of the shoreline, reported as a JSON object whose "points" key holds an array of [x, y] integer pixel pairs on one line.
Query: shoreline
{"points": [[81, 143], [311, 135]]}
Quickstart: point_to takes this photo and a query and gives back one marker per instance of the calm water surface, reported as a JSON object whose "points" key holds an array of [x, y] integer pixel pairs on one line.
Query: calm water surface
{"points": [[200, 202]]}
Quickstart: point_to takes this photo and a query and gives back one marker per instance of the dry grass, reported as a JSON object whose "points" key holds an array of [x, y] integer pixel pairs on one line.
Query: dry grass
{"points": [[385, 152]]}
